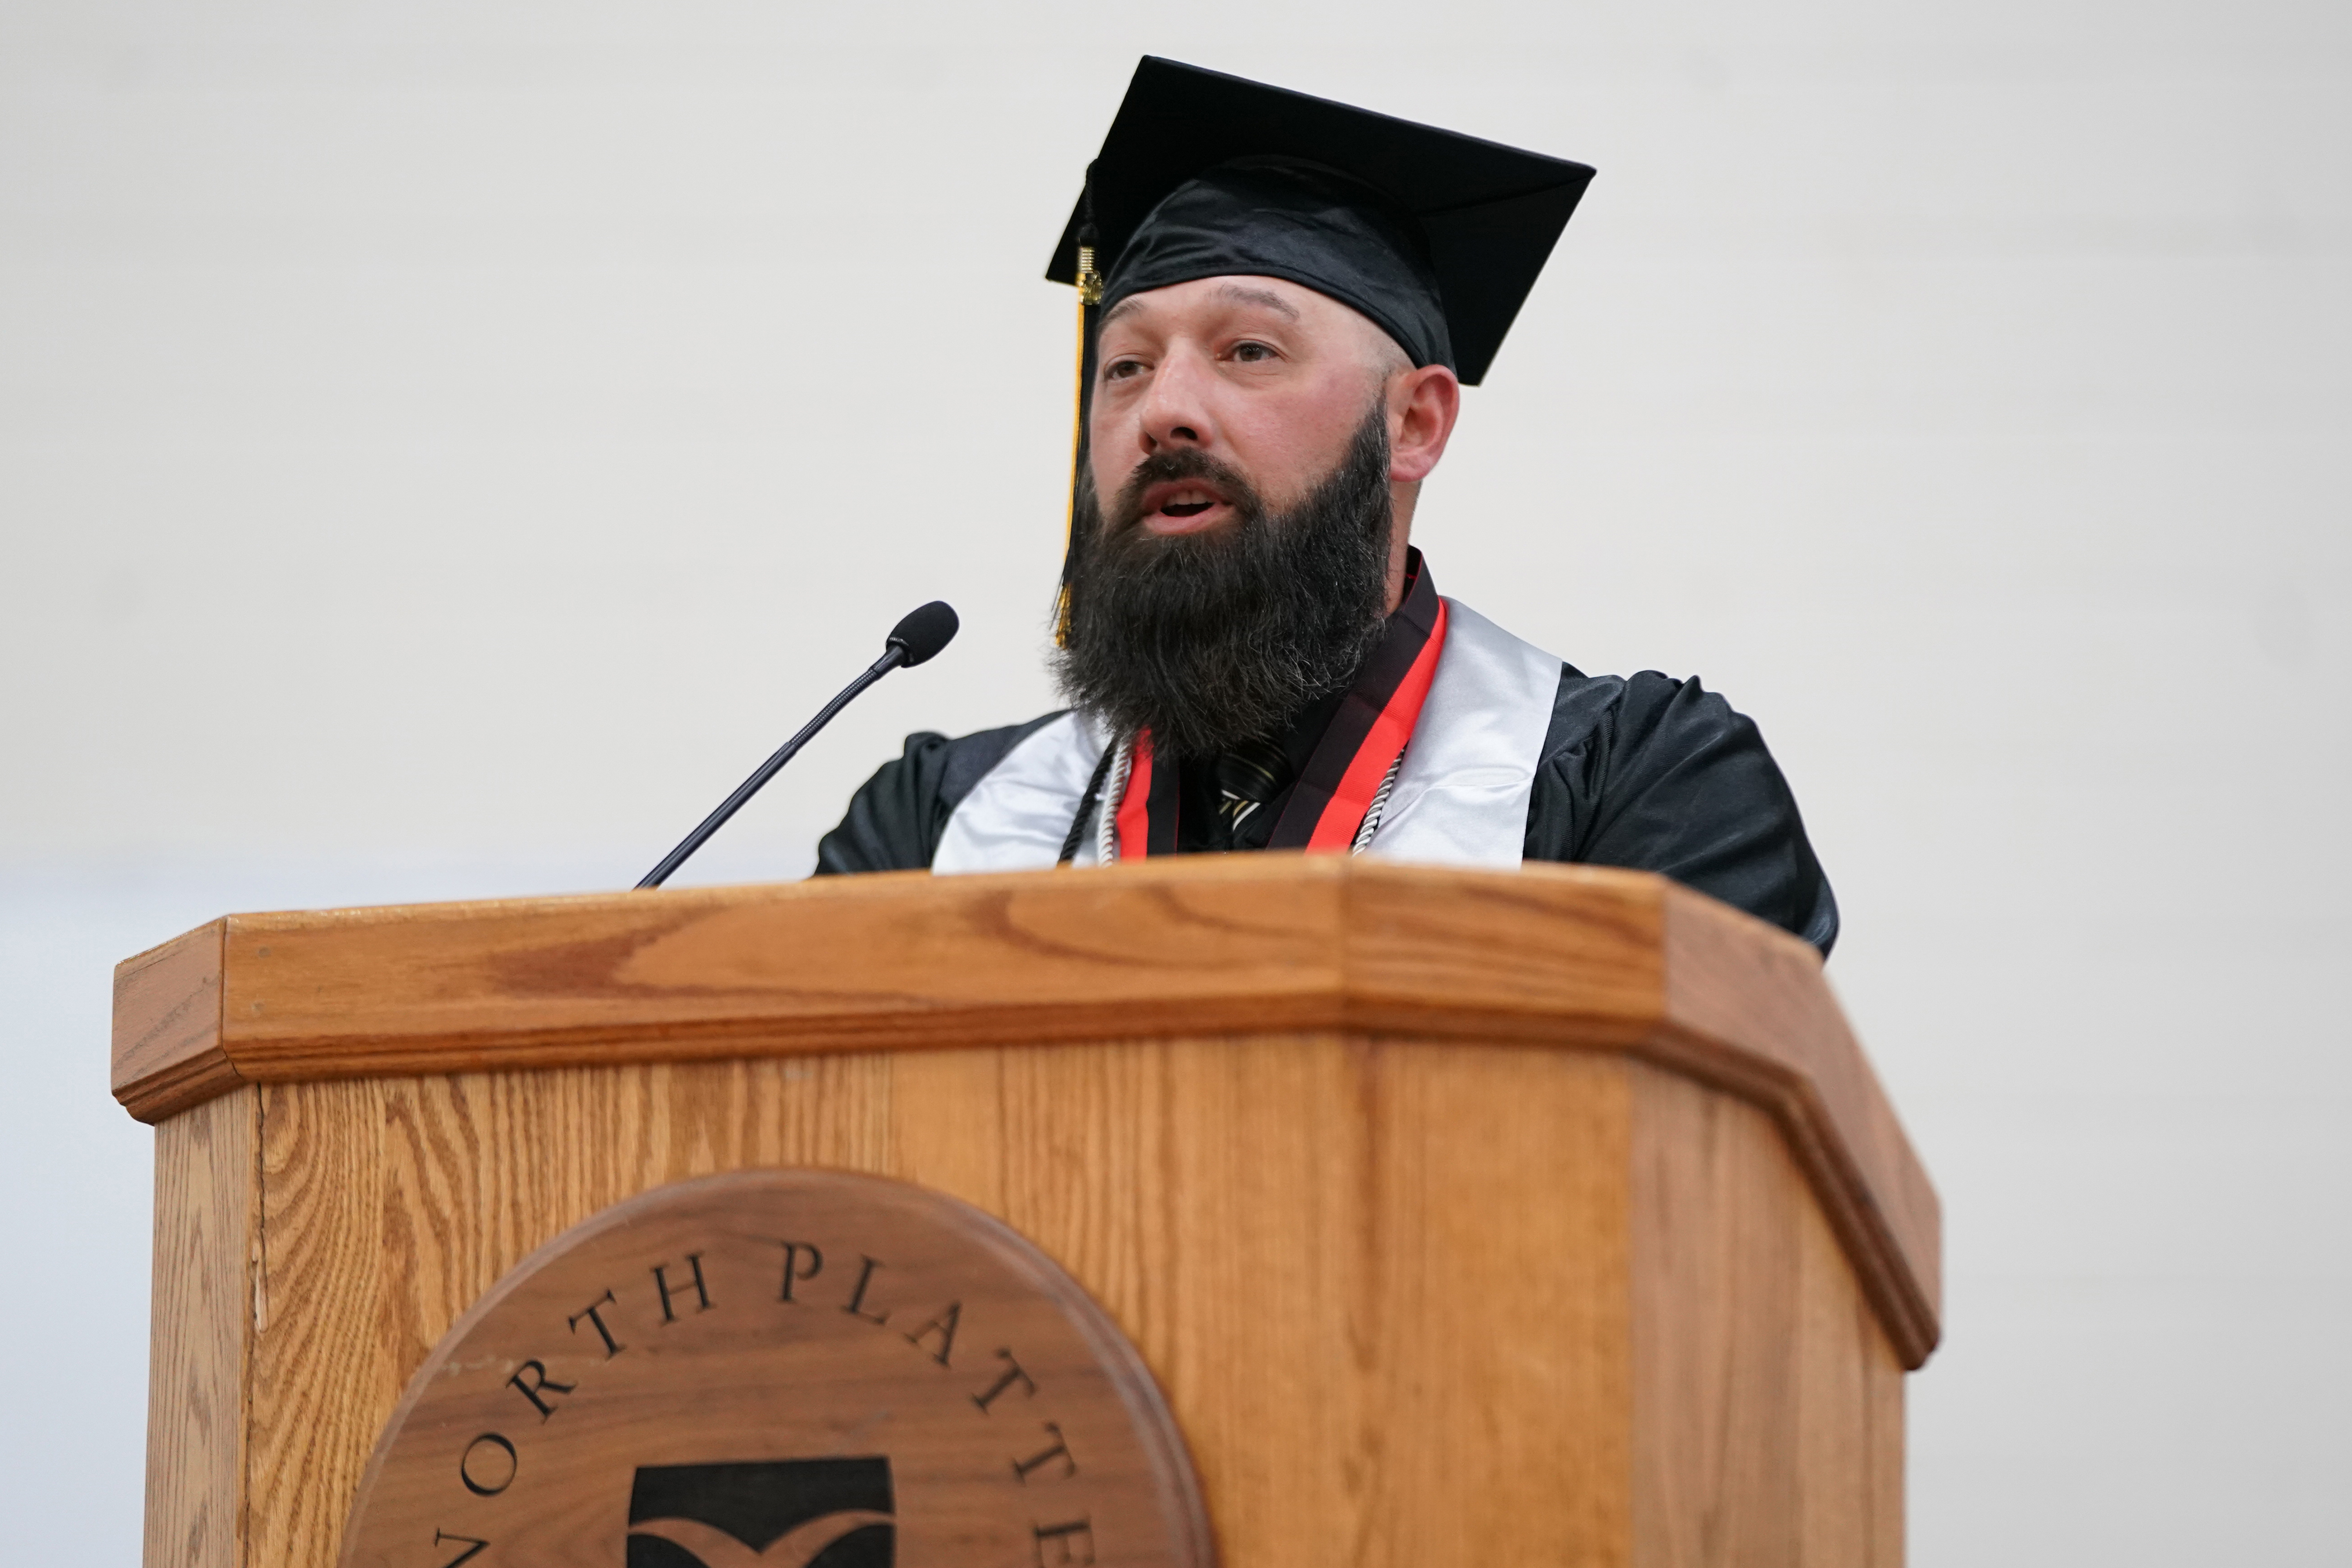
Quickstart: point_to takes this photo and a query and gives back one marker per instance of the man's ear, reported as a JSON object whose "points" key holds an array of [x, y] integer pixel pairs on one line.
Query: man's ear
{"points": [[1422, 406]]}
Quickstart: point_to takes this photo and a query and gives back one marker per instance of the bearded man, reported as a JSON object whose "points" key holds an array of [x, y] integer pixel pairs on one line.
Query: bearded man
{"points": [[1293, 294]]}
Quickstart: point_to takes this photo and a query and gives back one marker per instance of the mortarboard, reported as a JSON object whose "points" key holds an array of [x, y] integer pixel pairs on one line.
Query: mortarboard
{"points": [[1486, 213], [1437, 237]]}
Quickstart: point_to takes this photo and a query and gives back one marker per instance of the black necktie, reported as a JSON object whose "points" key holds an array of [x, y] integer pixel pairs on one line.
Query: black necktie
{"points": [[1248, 776]]}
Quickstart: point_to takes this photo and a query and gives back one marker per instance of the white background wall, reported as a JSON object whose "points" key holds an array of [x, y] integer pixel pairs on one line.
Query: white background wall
{"points": [[443, 447]]}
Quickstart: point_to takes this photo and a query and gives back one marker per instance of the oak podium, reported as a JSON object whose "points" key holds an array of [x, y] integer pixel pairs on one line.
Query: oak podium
{"points": [[1459, 1218]]}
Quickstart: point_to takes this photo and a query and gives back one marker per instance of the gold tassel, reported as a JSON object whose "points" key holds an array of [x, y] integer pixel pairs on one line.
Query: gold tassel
{"points": [[1090, 291]]}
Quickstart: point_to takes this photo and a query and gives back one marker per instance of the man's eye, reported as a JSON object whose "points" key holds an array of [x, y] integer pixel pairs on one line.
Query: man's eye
{"points": [[1119, 370], [1249, 352]]}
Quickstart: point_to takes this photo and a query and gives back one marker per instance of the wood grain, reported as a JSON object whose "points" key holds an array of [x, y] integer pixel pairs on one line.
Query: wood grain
{"points": [[167, 1022], [908, 960], [1572, 957], [1387, 1340], [206, 1270], [1411, 1301], [1768, 1401], [1552, 1216], [1502, 1376], [902, 1364], [1747, 1010]]}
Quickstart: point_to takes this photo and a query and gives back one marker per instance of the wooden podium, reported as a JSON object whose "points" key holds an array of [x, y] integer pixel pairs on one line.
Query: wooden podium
{"points": [[1464, 1218]]}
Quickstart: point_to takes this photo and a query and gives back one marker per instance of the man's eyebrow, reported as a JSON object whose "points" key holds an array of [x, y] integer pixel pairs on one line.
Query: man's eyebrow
{"points": [[1233, 293], [1241, 294]]}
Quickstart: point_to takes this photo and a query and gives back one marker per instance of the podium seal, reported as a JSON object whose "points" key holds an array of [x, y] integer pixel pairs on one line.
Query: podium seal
{"points": [[791, 1369]]}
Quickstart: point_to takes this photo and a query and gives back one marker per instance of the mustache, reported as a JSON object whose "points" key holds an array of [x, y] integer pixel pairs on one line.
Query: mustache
{"points": [[1126, 510]]}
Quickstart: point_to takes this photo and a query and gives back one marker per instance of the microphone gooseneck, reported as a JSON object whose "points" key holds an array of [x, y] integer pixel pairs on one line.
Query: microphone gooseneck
{"points": [[916, 638]]}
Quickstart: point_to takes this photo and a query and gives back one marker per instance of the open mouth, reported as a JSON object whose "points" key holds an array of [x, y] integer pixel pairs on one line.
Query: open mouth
{"points": [[1179, 505]]}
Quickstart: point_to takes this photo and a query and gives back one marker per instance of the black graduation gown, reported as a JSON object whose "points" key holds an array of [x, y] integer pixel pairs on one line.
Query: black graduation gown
{"points": [[1650, 774]]}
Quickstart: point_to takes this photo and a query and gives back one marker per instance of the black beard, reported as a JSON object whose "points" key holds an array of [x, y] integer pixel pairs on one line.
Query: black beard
{"points": [[1211, 639]]}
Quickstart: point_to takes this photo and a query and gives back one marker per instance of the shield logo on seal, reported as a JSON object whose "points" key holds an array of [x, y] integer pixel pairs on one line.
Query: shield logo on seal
{"points": [[774, 1513]]}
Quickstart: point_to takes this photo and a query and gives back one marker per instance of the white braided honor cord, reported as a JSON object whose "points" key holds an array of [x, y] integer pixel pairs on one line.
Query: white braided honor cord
{"points": [[1379, 803], [1122, 762]]}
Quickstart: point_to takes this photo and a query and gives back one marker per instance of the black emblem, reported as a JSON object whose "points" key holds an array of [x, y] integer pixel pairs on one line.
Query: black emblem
{"points": [[775, 1513]]}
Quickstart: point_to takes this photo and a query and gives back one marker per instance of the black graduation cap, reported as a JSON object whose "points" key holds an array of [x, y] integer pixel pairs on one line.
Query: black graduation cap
{"points": [[1437, 235]]}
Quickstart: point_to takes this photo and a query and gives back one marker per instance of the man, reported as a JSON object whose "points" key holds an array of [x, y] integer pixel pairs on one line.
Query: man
{"points": [[1293, 294]]}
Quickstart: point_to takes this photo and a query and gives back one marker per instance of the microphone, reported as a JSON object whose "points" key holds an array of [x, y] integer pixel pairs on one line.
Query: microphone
{"points": [[921, 634]]}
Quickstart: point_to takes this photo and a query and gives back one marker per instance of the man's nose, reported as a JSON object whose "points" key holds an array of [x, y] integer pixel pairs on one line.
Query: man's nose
{"points": [[1175, 410]]}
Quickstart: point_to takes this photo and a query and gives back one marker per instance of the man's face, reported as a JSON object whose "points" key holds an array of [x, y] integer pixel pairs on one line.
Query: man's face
{"points": [[1253, 449], [1264, 377]]}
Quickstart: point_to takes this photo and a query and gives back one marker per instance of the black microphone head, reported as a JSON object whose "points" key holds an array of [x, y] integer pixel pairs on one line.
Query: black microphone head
{"points": [[923, 631]]}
